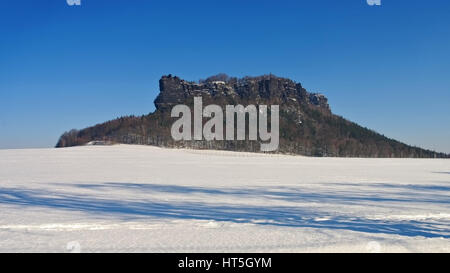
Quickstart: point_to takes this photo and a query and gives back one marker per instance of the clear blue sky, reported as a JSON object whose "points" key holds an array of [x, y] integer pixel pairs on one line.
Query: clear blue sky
{"points": [[62, 67]]}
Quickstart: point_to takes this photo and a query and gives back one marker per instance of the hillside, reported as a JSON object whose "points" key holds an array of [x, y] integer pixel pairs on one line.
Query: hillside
{"points": [[307, 124]]}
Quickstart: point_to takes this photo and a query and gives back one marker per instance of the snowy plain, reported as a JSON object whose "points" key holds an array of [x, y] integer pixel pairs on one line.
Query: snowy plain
{"points": [[127, 198]]}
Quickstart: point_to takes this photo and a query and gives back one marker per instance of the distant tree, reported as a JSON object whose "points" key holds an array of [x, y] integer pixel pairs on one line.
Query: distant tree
{"points": [[219, 77]]}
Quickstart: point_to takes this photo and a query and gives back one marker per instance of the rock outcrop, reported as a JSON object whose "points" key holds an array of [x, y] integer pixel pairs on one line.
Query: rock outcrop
{"points": [[266, 89]]}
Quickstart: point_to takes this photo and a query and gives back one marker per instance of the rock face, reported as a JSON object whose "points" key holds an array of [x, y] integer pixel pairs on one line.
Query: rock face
{"points": [[257, 90], [307, 125]]}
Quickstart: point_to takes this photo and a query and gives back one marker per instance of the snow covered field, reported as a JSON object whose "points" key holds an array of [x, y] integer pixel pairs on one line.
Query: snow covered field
{"points": [[145, 199]]}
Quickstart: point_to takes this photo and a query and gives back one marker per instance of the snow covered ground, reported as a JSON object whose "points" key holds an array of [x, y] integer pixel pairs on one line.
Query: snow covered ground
{"points": [[145, 199]]}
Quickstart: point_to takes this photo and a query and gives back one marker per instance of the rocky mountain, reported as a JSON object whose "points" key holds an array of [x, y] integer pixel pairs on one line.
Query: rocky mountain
{"points": [[307, 125]]}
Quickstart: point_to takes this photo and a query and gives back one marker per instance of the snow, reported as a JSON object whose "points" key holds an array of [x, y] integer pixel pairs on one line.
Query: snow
{"points": [[126, 198]]}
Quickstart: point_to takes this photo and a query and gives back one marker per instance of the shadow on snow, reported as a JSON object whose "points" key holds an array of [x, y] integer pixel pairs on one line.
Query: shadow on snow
{"points": [[290, 216]]}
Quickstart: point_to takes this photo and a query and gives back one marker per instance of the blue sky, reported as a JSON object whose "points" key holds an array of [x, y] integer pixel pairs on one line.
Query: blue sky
{"points": [[62, 67]]}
